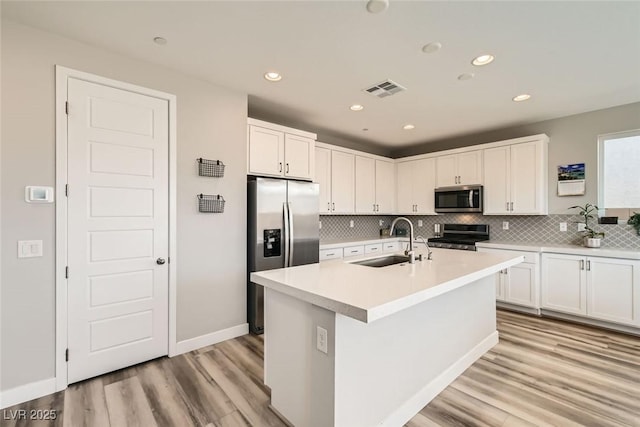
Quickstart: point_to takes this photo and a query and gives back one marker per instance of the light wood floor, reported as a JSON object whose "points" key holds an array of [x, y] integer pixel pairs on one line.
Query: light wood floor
{"points": [[543, 373]]}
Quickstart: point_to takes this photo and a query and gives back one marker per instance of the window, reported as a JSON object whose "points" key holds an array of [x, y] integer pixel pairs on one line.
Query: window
{"points": [[619, 173]]}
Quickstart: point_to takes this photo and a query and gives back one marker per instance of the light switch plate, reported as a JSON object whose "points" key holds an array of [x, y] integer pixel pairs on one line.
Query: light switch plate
{"points": [[29, 248], [505, 225], [381, 222], [581, 226], [563, 226], [419, 223], [351, 223], [321, 339]]}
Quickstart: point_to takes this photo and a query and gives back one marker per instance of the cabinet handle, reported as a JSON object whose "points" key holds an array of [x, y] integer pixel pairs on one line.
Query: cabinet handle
{"points": [[328, 206], [377, 208], [287, 171], [280, 167], [581, 264], [374, 207], [333, 205], [588, 265], [507, 206], [511, 206], [331, 254]]}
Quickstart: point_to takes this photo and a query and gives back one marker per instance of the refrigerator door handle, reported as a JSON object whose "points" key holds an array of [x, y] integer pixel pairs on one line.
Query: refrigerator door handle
{"points": [[287, 231], [291, 237]]}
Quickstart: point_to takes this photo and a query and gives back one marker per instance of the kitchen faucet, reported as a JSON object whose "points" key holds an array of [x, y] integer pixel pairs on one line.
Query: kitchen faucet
{"points": [[409, 251]]}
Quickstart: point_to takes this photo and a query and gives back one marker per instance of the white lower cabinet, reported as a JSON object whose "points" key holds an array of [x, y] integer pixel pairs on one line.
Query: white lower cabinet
{"points": [[373, 248], [391, 246], [519, 284], [326, 254], [353, 250], [600, 288]]}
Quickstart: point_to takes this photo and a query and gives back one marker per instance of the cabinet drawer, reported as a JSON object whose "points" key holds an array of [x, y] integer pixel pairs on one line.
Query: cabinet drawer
{"points": [[373, 248], [326, 254], [529, 257], [391, 247], [353, 251]]}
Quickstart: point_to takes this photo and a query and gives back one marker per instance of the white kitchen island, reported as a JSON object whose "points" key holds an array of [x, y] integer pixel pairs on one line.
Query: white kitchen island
{"points": [[396, 335]]}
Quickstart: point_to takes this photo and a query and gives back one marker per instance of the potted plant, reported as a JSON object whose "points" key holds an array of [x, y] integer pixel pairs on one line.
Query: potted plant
{"points": [[635, 221], [592, 238]]}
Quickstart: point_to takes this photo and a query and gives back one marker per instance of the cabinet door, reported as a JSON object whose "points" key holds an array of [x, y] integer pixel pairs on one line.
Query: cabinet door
{"points": [[496, 181], [521, 284], [446, 171], [298, 157], [500, 279], [266, 151], [613, 288], [470, 168], [527, 194], [563, 283], [385, 187], [342, 182], [424, 181], [365, 185], [404, 188], [323, 178]]}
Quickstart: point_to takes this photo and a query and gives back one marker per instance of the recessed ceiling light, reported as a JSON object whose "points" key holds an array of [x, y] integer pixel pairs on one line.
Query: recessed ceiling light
{"points": [[377, 6], [408, 127], [356, 107], [483, 60], [160, 40], [431, 47], [273, 76], [466, 76], [522, 97]]}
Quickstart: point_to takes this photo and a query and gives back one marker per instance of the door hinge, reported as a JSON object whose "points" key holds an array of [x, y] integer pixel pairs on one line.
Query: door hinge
{"points": [[66, 272], [66, 355], [66, 190], [66, 107]]}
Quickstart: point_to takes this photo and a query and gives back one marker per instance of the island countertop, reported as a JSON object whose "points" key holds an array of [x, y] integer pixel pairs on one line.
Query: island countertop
{"points": [[368, 294]]}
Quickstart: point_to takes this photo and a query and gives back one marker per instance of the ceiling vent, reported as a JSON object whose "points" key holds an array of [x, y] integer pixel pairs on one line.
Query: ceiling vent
{"points": [[385, 88]]}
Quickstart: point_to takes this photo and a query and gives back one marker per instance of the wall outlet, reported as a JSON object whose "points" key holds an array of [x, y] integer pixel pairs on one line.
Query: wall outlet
{"points": [[563, 226], [320, 225], [381, 222], [581, 226], [419, 223], [505, 225], [321, 339], [351, 223]]}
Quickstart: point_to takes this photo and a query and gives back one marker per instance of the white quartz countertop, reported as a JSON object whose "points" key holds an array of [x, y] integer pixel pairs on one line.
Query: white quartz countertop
{"points": [[368, 293], [562, 249]]}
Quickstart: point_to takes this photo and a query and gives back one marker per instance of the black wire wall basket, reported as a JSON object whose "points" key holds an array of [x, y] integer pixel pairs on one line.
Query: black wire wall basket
{"points": [[214, 168], [209, 203]]}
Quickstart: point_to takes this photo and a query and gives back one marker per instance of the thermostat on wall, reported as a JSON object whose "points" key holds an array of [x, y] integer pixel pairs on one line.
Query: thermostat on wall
{"points": [[37, 194]]}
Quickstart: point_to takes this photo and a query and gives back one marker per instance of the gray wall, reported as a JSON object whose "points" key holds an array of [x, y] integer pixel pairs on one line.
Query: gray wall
{"points": [[211, 247], [574, 139]]}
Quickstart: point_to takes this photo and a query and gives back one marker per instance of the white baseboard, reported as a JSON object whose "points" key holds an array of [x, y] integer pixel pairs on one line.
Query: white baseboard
{"points": [[27, 392], [412, 406], [212, 338]]}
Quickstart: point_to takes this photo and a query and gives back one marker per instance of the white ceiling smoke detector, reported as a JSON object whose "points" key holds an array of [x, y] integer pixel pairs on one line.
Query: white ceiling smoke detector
{"points": [[385, 88], [432, 47], [377, 6]]}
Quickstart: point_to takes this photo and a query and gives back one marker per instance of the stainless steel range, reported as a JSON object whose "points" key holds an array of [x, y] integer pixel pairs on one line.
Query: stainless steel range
{"points": [[461, 236]]}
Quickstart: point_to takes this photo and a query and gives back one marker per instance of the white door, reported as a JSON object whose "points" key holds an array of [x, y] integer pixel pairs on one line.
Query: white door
{"points": [[342, 182], [613, 287], [446, 171], [298, 155], [365, 185], [470, 168], [520, 285], [564, 283], [323, 178], [117, 228], [496, 181], [266, 151], [424, 177], [404, 188], [385, 187]]}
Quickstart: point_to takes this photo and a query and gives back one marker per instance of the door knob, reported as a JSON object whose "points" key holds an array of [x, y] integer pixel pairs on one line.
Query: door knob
{"points": [[160, 261]]}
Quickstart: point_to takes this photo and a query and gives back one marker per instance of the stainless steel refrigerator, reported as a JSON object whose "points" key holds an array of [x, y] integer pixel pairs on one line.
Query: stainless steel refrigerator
{"points": [[282, 230]]}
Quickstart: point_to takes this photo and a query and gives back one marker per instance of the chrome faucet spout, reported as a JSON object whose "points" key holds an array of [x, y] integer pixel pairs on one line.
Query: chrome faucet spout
{"points": [[409, 252]]}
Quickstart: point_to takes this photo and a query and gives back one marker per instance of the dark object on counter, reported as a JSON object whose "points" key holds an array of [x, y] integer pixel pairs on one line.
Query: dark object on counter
{"points": [[385, 232], [401, 232], [608, 220]]}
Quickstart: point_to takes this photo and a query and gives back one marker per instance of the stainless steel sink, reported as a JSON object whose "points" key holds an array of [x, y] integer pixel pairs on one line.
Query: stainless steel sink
{"points": [[383, 261]]}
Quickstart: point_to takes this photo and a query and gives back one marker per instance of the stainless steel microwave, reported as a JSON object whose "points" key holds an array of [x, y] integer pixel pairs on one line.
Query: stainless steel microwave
{"points": [[466, 198]]}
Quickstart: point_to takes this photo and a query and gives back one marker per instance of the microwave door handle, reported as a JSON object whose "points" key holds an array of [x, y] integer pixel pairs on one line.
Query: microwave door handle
{"points": [[470, 198]]}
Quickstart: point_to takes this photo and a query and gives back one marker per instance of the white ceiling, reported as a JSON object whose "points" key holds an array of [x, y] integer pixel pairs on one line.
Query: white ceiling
{"points": [[571, 57]]}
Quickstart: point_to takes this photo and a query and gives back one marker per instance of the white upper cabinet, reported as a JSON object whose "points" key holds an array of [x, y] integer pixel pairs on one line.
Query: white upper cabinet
{"points": [[459, 169], [414, 187], [323, 178], [278, 151], [515, 179], [342, 182], [375, 186]]}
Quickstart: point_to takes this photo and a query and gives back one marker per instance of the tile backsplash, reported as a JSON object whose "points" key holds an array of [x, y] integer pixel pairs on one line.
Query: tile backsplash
{"points": [[521, 228]]}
